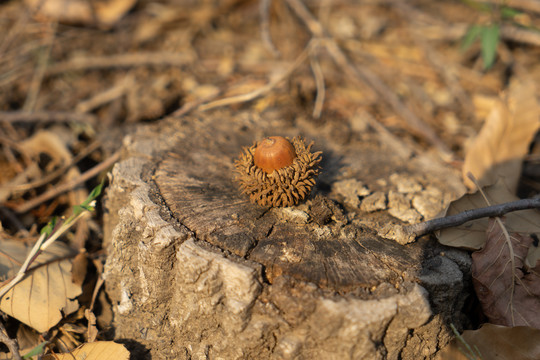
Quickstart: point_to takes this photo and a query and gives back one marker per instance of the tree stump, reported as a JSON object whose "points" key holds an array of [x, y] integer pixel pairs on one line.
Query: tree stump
{"points": [[195, 271]]}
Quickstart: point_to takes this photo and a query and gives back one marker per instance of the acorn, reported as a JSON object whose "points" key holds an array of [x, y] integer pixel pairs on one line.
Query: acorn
{"points": [[277, 171]]}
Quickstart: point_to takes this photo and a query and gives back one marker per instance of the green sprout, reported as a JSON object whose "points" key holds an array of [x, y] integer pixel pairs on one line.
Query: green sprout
{"points": [[489, 34], [51, 232]]}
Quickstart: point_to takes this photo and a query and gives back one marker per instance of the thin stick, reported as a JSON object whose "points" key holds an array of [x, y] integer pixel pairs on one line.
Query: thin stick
{"points": [[45, 116], [50, 177], [427, 227], [113, 93], [366, 76], [12, 344], [262, 90], [41, 244], [264, 13], [120, 61], [321, 90], [67, 186], [192, 105]]}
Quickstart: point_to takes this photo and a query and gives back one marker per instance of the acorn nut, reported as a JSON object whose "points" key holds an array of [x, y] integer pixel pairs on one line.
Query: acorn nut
{"points": [[278, 172], [274, 153]]}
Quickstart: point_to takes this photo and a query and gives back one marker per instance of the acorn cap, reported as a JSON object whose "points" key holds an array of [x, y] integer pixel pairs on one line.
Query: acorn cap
{"points": [[270, 183]]}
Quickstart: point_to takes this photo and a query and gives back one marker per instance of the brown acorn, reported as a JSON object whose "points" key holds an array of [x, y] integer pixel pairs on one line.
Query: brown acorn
{"points": [[277, 172]]}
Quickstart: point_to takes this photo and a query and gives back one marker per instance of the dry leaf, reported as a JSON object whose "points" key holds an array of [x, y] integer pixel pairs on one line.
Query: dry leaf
{"points": [[497, 342], [78, 268], [509, 294], [100, 350], [503, 141], [47, 290], [92, 330], [533, 256], [472, 235], [101, 13]]}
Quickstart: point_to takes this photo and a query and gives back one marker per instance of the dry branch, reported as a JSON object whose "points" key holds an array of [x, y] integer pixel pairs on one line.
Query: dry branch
{"points": [[427, 227]]}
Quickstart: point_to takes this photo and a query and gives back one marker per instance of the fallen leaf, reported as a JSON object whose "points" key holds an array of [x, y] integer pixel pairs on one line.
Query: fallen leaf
{"points": [[472, 235], [100, 350], [533, 256], [496, 342], [509, 294], [47, 290], [100, 13], [92, 330], [503, 141]]}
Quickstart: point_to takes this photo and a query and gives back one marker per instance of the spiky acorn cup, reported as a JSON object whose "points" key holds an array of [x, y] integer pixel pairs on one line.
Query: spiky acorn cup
{"points": [[277, 172]]}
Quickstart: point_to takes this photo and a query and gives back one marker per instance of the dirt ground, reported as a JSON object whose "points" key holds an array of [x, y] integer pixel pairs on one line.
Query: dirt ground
{"points": [[76, 77]]}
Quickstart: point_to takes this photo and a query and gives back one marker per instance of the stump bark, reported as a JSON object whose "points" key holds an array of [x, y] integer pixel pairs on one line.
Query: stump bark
{"points": [[195, 271]]}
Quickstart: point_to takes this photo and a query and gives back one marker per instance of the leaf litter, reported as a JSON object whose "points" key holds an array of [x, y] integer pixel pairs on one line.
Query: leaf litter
{"points": [[506, 267], [495, 342], [508, 291], [504, 140], [47, 292]]}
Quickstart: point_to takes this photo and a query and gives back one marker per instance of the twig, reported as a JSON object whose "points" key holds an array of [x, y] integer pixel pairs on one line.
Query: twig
{"points": [[67, 186], [366, 76], [262, 90], [427, 227], [321, 90], [45, 116], [121, 61], [113, 93], [50, 177], [49, 235], [12, 344], [192, 105], [264, 13]]}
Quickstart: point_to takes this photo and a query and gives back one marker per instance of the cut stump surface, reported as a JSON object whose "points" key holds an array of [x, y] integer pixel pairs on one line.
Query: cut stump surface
{"points": [[197, 271]]}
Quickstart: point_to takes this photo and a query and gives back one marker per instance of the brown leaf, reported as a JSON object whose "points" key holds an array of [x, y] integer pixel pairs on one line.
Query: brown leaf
{"points": [[503, 141], [78, 268], [472, 235], [46, 291], [102, 13], [92, 330], [496, 342], [533, 256], [509, 294], [100, 350]]}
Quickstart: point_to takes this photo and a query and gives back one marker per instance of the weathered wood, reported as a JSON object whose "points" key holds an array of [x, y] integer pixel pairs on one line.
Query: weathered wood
{"points": [[189, 254]]}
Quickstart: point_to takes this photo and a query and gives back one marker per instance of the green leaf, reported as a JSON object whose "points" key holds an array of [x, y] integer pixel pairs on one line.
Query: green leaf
{"points": [[48, 229], [508, 13], [87, 204], [472, 34], [93, 195], [489, 40], [35, 351]]}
